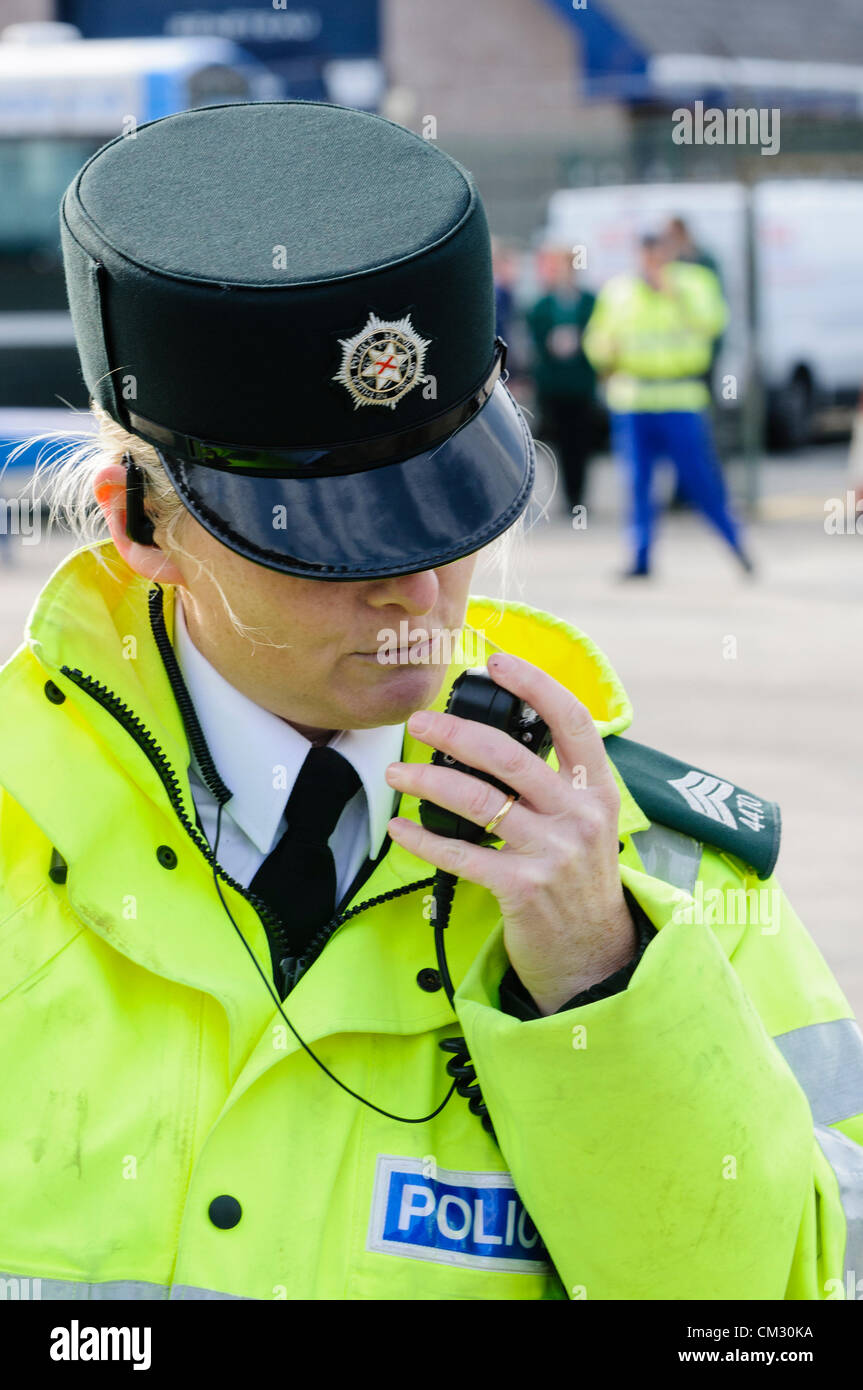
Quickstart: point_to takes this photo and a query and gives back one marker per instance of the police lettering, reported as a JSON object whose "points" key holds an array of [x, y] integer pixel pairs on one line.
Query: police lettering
{"points": [[456, 1220]]}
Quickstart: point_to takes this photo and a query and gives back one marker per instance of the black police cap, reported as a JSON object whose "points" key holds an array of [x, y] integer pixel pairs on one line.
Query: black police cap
{"points": [[293, 303]]}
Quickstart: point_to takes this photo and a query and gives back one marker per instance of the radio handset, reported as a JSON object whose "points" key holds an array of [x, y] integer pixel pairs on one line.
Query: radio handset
{"points": [[474, 695]]}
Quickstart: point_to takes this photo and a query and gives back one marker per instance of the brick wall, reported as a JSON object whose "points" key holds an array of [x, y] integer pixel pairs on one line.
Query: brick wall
{"points": [[508, 67], [25, 11]]}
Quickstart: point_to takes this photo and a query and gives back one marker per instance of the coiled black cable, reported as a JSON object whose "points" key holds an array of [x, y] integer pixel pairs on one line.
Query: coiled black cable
{"points": [[459, 1067]]}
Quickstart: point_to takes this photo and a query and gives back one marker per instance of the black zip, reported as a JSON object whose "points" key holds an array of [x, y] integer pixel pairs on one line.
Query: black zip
{"points": [[147, 743], [293, 969]]}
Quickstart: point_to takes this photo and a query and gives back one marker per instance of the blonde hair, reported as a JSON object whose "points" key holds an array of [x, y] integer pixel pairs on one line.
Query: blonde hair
{"points": [[65, 480], [64, 477]]}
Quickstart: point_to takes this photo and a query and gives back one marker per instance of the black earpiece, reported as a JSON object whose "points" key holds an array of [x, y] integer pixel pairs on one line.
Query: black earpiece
{"points": [[139, 527], [501, 346]]}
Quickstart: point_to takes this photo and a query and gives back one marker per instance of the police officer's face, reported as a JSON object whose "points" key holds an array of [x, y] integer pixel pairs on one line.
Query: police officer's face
{"points": [[330, 675]]}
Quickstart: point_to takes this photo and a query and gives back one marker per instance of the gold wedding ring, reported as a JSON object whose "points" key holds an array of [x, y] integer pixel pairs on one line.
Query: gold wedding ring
{"points": [[496, 820]]}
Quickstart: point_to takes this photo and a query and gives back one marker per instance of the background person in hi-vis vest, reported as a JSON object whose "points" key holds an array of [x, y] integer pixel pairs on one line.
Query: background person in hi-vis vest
{"points": [[651, 337], [237, 1059]]}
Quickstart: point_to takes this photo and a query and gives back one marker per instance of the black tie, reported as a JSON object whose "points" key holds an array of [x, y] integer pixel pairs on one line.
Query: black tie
{"points": [[297, 880]]}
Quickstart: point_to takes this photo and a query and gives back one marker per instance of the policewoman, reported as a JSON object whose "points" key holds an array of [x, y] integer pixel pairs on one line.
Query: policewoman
{"points": [[221, 1004]]}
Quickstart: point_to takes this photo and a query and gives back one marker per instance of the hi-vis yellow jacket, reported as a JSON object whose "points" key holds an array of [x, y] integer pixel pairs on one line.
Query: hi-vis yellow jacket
{"points": [[163, 1135], [656, 347]]}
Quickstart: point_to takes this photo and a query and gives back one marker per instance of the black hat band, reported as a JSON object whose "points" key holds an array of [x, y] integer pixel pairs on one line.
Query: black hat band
{"points": [[262, 461]]}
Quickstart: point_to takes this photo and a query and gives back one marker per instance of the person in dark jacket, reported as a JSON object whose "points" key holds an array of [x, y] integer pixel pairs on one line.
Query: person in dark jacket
{"points": [[565, 380]]}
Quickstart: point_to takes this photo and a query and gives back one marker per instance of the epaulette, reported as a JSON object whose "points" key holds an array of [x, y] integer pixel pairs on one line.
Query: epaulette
{"points": [[699, 804]]}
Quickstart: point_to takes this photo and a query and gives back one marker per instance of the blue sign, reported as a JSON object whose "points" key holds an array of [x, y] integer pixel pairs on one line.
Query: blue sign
{"points": [[476, 1220], [303, 44], [327, 29]]}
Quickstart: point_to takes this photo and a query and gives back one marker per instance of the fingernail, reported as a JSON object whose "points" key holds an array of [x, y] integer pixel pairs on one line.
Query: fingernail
{"points": [[418, 722], [501, 662]]}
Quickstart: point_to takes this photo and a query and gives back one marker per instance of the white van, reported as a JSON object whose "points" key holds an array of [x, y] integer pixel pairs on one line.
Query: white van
{"points": [[809, 277]]}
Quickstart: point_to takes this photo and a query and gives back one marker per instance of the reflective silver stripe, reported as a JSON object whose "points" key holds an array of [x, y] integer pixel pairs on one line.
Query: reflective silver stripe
{"points": [[35, 1288], [669, 854], [827, 1060], [184, 1291], [846, 1159]]}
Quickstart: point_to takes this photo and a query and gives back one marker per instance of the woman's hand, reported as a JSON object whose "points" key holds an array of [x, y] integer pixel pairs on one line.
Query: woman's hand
{"points": [[566, 923]]}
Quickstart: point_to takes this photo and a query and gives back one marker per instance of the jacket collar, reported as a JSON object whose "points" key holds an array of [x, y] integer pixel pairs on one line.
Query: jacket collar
{"points": [[80, 773]]}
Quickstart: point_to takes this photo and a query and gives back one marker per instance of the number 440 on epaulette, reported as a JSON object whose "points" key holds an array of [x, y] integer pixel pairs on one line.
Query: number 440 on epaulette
{"points": [[700, 804]]}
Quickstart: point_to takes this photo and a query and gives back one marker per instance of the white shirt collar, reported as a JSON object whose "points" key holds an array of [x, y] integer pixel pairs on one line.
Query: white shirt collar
{"points": [[250, 744]]}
